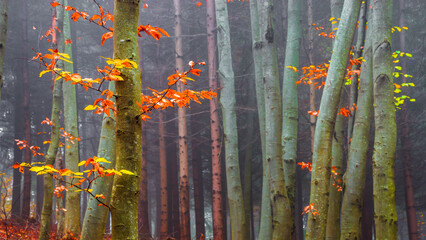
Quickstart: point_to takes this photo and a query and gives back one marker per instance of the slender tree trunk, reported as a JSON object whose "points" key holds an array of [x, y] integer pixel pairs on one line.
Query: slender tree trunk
{"points": [[326, 120], [3, 30], [354, 181], [312, 107], [290, 104], [358, 50], [265, 228], [239, 226], [72, 200], [197, 173], [144, 225], [163, 177], [219, 229], [96, 216], [281, 212], [124, 200], [59, 202], [410, 206], [51, 152], [385, 217], [26, 201], [185, 229]]}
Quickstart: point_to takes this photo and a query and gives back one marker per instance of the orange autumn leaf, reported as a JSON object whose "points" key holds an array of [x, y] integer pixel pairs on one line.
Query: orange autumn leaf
{"points": [[106, 36], [54, 4]]}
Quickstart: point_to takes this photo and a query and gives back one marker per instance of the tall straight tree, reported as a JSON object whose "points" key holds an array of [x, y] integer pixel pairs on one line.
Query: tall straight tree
{"points": [[312, 105], [385, 218], [239, 226], [327, 116], [410, 206], [265, 228], [3, 30], [219, 230], [26, 200], [96, 216], [280, 206], [185, 230], [124, 200], [53, 147], [72, 199], [354, 180], [290, 103]]}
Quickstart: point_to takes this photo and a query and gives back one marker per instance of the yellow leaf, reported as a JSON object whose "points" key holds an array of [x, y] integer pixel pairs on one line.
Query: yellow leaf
{"points": [[406, 28], [82, 163], [127, 172], [333, 22], [43, 72], [98, 159], [331, 19], [65, 60], [409, 55], [91, 107]]}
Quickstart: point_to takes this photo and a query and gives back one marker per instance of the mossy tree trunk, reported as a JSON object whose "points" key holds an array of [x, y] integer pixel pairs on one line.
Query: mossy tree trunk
{"points": [[239, 226], [354, 180], [96, 216], [290, 104], [125, 190], [385, 217], [326, 120], [281, 213]]}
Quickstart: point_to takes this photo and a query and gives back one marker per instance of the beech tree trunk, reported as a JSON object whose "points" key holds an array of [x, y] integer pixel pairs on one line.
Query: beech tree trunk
{"points": [[239, 226], [281, 212], [72, 199], [290, 104], [144, 224], [354, 181], [124, 200], [265, 228], [53, 149], [96, 216], [197, 174], [320, 181], [385, 217], [312, 105]]}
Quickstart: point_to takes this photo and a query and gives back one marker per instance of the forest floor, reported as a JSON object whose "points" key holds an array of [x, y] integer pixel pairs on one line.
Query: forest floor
{"points": [[14, 230]]}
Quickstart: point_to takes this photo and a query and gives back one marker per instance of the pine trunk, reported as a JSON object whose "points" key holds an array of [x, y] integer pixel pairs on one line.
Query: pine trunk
{"points": [[239, 226], [124, 200], [320, 181], [290, 104], [385, 217]]}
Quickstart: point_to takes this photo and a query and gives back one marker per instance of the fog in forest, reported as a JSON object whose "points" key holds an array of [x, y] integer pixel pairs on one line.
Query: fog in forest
{"points": [[26, 100]]}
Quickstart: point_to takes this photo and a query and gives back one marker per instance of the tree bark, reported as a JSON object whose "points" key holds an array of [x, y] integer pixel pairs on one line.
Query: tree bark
{"points": [[72, 199], [385, 217], [96, 216], [219, 229], [239, 226], [197, 174], [265, 228], [51, 152], [290, 104], [281, 212], [326, 120], [312, 105], [124, 200]]}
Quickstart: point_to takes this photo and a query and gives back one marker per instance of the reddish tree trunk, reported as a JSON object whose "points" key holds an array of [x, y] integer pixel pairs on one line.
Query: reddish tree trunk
{"points": [[143, 220], [219, 229], [197, 174], [163, 177]]}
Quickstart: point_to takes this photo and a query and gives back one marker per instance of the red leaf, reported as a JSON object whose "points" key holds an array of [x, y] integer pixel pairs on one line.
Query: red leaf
{"points": [[54, 4], [106, 36]]}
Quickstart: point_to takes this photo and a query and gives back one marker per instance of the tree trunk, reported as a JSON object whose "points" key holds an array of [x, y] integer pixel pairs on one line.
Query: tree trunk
{"points": [[385, 217], [327, 116], [239, 226], [290, 104], [51, 152], [197, 174], [163, 177], [3, 30], [410, 206], [172, 181], [72, 200], [26, 200], [144, 225], [312, 107], [124, 200], [281, 212], [185, 228], [219, 229], [354, 180], [265, 228], [96, 216]]}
